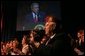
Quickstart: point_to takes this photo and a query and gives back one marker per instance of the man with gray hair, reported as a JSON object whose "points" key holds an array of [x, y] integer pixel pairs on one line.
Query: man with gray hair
{"points": [[34, 17], [55, 45]]}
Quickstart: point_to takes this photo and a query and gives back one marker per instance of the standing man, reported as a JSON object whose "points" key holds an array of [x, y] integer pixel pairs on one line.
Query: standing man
{"points": [[56, 43], [34, 17]]}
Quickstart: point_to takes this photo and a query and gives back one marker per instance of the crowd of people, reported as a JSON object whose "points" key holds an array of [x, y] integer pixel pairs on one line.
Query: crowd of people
{"points": [[52, 43]]}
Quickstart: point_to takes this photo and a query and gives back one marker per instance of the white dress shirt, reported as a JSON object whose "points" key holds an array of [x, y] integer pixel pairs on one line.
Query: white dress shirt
{"points": [[50, 39], [34, 16]]}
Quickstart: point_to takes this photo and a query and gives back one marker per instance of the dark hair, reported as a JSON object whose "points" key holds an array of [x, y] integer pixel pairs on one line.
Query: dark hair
{"points": [[37, 38], [80, 31], [26, 39]]}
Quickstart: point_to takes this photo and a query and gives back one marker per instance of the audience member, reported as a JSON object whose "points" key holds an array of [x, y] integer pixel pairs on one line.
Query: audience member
{"points": [[79, 43], [55, 43]]}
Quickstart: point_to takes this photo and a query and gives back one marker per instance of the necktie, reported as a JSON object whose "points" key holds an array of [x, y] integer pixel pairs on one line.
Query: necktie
{"points": [[36, 18]]}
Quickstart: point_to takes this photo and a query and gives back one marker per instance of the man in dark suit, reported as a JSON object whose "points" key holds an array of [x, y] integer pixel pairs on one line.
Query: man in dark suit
{"points": [[56, 43], [34, 17]]}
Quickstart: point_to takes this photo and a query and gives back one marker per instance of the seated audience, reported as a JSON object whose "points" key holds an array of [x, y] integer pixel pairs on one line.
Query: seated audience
{"points": [[25, 46], [14, 50]]}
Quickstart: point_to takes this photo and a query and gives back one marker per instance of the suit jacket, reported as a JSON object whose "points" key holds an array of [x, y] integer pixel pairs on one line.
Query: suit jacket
{"points": [[29, 22], [56, 46], [29, 17], [79, 46]]}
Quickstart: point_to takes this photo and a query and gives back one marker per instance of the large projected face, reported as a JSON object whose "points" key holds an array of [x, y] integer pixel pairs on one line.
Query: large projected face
{"points": [[29, 15]]}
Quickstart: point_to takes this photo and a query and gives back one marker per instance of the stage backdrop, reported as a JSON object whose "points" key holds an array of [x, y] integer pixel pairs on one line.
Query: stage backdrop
{"points": [[23, 8]]}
